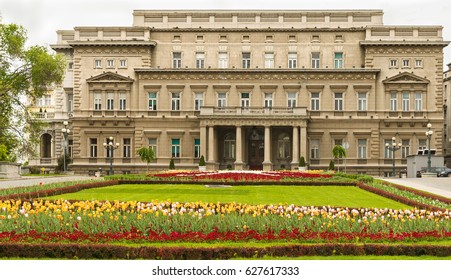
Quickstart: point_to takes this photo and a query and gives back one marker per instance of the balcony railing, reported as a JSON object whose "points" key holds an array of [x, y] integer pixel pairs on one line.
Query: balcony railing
{"points": [[253, 111], [42, 115]]}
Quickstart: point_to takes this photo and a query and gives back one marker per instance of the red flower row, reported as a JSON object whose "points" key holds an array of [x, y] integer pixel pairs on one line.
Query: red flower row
{"points": [[241, 176]]}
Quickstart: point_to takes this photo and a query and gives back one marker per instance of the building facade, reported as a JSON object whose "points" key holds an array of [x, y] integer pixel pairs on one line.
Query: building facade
{"points": [[447, 116], [251, 90]]}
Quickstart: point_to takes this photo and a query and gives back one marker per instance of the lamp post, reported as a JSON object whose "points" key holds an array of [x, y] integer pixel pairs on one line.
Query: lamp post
{"points": [[110, 147], [393, 147], [65, 132], [429, 135]]}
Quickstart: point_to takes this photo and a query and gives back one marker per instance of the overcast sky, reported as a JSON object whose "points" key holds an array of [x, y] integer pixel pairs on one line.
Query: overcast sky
{"points": [[42, 18]]}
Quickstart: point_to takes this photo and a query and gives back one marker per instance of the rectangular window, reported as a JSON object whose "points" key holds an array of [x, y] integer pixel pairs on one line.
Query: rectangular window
{"points": [[314, 149], [338, 102], [284, 147], [177, 60], [97, 101], [175, 148], [393, 102], [361, 153], [110, 63], [406, 63], [245, 100], [246, 56], [393, 63], [361, 101], [315, 60], [127, 148], [269, 60], [422, 144], [200, 60], [292, 60], [418, 63], [338, 60], [405, 101], [98, 63], [268, 100], [229, 148], [418, 102], [123, 63], [70, 148], [110, 101], [122, 101], [196, 148], [175, 101], [153, 146], [405, 148], [291, 99], [198, 101], [70, 103], [222, 100], [223, 61], [315, 101], [388, 153], [152, 101], [93, 147]]}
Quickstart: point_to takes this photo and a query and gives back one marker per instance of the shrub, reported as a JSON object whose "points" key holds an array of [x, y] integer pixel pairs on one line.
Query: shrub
{"points": [[302, 161], [202, 161], [172, 164], [60, 166], [331, 165]]}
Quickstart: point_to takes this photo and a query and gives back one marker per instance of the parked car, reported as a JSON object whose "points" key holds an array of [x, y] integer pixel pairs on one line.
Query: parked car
{"points": [[437, 170], [445, 173]]}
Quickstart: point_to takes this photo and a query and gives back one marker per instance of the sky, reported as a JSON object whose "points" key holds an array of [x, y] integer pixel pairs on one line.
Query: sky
{"points": [[42, 18]]}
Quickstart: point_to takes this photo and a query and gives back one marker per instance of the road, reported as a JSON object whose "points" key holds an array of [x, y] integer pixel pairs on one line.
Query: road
{"points": [[31, 181], [440, 186]]}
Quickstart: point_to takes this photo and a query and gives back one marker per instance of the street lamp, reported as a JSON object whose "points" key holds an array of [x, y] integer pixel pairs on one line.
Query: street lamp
{"points": [[429, 135], [393, 147], [110, 147], [65, 132]]}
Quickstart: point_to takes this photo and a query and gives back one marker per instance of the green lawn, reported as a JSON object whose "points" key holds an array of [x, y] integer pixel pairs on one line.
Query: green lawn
{"points": [[298, 195]]}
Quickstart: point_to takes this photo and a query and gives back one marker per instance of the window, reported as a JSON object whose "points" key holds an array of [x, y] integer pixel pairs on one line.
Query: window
{"points": [[177, 38], [268, 100], [405, 148], [269, 38], [110, 63], [269, 60], [110, 101], [393, 63], [422, 144], [245, 100], [70, 65], [198, 101], [292, 60], [246, 56], [393, 101], [93, 147], [223, 61], [361, 101], [284, 146], [338, 102], [418, 102], [291, 38], [338, 142], [315, 38], [314, 149], [291, 100], [127, 148], [200, 60], [418, 63], [405, 101], [97, 101], [315, 60], [223, 38], [70, 102], [199, 38], [175, 101], [122, 101], [123, 63], [222, 100], [338, 60], [229, 146], [246, 38], [339, 38], [315, 101], [196, 148], [406, 63], [109, 152], [177, 60], [361, 152], [98, 63], [152, 101], [70, 148], [153, 146], [175, 147], [388, 153]]}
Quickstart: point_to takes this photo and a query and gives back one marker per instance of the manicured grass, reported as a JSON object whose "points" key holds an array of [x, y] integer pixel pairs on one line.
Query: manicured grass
{"points": [[340, 196]]}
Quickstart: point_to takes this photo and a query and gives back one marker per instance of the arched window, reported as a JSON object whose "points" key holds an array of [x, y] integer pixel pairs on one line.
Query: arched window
{"points": [[46, 145], [229, 146], [284, 146]]}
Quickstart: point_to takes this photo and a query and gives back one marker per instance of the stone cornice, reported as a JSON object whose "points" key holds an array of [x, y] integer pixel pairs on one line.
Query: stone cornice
{"points": [[405, 43], [105, 43], [200, 29]]}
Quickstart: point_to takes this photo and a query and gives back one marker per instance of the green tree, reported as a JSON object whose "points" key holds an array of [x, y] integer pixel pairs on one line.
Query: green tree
{"points": [[338, 152], [3, 153], [25, 73], [146, 154]]}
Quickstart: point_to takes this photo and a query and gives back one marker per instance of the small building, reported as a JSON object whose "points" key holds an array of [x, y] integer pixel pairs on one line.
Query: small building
{"points": [[418, 162]]}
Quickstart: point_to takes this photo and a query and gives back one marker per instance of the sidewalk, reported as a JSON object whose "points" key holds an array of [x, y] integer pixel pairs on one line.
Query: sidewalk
{"points": [[438, 186], [31, 181]]}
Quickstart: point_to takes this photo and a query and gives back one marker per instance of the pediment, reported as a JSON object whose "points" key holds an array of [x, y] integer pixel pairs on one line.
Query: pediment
{"points": [[405, 77], [109, 77]]}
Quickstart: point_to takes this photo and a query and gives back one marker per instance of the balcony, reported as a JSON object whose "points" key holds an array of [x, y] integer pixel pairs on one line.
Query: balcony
{"points": [[254, 111], [44, 115]]}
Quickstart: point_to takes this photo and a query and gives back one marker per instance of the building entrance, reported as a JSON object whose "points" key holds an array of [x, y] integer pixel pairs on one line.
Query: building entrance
{"points": [[256, 149]]}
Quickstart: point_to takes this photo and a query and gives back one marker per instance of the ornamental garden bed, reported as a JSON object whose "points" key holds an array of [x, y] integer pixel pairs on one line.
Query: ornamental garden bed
{"points": [[167, 228]]}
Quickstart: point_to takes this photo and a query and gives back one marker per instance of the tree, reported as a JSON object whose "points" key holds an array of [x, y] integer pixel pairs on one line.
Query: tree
{"points": [[338, 152], [331, 165], [25, 73], [146, 154]]}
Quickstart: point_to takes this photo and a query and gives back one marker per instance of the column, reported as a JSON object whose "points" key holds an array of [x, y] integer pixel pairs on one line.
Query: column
{"points": [[304, 152], [211, 144], [203, 141], [295, 160], [267, 164], [239, 150]]}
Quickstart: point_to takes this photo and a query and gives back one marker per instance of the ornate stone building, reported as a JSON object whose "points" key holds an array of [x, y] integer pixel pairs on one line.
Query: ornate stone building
{"points": [[447, 114], [252, 89]]}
